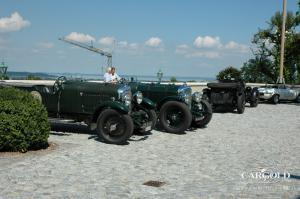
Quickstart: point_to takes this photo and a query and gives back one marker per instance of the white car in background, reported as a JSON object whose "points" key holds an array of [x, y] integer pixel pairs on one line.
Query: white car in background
{"points": [[279, 92]]}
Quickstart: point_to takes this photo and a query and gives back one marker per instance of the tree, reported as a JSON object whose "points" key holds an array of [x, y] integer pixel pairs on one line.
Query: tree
{"points": [[268, 42], [228, 73], [258, 69], [173, 79], [33, 77]]}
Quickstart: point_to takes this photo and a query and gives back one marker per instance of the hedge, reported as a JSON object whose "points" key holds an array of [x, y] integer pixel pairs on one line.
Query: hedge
{"points": [[23, 121]]}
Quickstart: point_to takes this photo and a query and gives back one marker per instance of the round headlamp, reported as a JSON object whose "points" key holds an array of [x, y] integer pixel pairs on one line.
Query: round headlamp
{"points": [[127, 99], [197, 96], [138, 97]]}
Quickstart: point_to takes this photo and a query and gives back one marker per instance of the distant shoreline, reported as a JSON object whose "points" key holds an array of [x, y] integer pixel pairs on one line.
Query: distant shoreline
{"points": [[14, 75]]}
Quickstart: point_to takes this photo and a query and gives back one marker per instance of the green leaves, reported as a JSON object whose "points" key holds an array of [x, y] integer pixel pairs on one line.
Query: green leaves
{"points": [[23, 121], [228, 73]]}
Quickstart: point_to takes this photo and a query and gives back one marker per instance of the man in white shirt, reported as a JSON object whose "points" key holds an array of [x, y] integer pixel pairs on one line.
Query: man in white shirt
{"points": [[107, 75], [114, 77]]}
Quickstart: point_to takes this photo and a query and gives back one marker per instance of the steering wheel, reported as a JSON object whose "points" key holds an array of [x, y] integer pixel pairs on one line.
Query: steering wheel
{"points": [[122, 81], [58, 84]]}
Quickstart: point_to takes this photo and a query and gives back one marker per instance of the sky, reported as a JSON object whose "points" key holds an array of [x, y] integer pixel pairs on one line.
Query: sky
{"points": [[194, 38]]}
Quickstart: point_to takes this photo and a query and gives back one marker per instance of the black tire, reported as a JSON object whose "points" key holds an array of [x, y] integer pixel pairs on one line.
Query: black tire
{"points": [[175, 117], [254, 103], [241, 104], [207, 115], [123, 127], [152, 118], [275, 99], [298, 99]]}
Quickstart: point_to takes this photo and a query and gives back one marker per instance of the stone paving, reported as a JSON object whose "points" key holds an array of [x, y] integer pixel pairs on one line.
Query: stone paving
{"points": [[228, 159]]}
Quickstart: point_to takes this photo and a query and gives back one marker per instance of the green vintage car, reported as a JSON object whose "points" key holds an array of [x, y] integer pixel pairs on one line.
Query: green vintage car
{"points": [[178, 109], [111, 109]]}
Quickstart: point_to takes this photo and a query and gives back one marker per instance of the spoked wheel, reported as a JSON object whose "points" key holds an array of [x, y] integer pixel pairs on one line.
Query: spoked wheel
{"points": [[150, 117], [114, 127], [206, 115], [175, 117]]}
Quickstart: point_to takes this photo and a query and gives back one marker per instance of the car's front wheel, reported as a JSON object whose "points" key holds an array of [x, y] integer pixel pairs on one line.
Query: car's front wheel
{"points": [[275, 99], [206, 115], [114, 127], [151, 117], [298, 99], [175, 117]]}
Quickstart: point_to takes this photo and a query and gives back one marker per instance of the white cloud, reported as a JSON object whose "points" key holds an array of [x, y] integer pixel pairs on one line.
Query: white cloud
{"points": [[206, 54], [108, 41], [182, 49], [80, 37], [46, 45], [13, 23], [123, 44], [207, 42], [134, 46], [236, 46], [153, 42]]}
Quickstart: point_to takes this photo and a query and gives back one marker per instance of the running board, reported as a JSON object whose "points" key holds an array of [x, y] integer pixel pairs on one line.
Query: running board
{"points": [[60, 120]]}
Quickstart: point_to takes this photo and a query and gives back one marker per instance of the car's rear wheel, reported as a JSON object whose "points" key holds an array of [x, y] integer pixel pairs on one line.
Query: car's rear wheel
{"points": [[275, 99], [175, 117], [114, 127], [207, 115], [241, 104], [254, 103]]}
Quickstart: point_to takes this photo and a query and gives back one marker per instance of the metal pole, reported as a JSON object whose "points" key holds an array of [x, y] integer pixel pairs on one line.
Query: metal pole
{"points": [[281, 79]]}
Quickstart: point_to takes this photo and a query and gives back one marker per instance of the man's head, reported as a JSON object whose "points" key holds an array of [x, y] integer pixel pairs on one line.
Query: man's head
{"points": [[113, 70], [108, 70]]}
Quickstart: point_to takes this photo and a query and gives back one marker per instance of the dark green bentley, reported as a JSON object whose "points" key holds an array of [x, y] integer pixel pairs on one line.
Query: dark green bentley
{"points": [[178, 108], [111, 109]]}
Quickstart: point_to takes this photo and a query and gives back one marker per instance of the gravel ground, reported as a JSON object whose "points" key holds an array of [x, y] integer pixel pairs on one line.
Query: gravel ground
{"points": [[220, 161]]}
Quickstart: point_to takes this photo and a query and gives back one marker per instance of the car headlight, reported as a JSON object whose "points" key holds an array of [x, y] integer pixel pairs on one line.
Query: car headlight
{"points": [[197, 96], [186, 97], [127, 99], [138, 97], [124, 95]]}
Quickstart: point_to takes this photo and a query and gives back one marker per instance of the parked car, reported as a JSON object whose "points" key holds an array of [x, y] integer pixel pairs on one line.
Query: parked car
{"points": [[230, 93], [111, 109], [279, 92], [178, 109]]}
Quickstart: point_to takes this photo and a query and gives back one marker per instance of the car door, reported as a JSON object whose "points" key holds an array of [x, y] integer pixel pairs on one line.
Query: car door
{"points": [[70, 98]]}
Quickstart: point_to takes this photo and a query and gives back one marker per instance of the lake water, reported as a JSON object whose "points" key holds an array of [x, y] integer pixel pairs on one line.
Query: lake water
{"points": [[23, 75]]}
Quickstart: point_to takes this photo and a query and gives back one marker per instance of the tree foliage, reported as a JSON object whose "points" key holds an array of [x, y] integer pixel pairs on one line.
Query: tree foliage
{"points": [[229, 73], [264, 67]]}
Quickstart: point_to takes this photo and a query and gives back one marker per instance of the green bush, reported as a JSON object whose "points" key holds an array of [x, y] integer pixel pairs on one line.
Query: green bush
{"points": [[23, 121], [173, 79]]}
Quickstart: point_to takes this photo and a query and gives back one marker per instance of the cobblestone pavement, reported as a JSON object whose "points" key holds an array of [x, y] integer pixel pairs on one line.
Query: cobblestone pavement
{"points": [[224, 160]]}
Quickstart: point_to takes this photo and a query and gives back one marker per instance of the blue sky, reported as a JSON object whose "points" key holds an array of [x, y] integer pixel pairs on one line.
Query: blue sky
{"points": [[182, 38]]}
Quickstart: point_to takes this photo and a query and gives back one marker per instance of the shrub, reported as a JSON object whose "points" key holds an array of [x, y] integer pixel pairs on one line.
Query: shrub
{"points": [[173, 79], [228, 73], [23, 121]]}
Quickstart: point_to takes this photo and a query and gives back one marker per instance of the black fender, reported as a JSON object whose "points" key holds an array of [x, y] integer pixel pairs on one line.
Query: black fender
{"points": [[147, 103], [118, 106], [167, 99]]}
